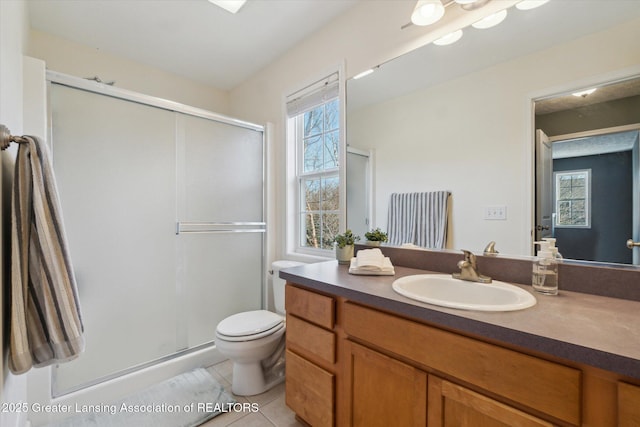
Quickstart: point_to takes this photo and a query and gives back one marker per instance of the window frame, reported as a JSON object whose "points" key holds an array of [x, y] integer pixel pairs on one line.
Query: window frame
{"points": [[587, 198], [294, 225]]}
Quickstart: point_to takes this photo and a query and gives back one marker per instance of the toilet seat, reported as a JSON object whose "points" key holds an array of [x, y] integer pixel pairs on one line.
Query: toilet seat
{"points": [[249, 325]]}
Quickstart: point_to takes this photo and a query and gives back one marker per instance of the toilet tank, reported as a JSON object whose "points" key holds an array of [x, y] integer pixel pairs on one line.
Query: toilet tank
{"points": [[278, 283]]}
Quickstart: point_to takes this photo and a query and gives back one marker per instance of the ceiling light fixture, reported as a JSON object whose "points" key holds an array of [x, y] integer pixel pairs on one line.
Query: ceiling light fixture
{"points": [[364, 73], [449, 38], [427, 12], [584, 93], [232, 6], [471, 4], [491, 20], [530, 4]]}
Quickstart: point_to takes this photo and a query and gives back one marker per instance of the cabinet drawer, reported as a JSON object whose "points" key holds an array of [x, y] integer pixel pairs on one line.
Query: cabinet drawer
{"points": [[309, 391], [545, 386], [305, 338], [453, 405], [315, 308]]}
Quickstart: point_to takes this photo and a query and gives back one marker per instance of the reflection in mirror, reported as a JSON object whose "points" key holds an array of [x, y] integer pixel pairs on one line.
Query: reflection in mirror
{"points": [[587, 164], [460, 117], [359, 165]]}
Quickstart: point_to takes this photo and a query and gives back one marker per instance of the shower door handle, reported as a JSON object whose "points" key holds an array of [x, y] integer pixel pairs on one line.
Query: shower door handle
{"points": [[221, 227]]}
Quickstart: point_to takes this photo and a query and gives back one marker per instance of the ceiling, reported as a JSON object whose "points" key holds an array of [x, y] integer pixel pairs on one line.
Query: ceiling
{"points": [[190, 38], [522, 33], [623, 89], [202, 42]]}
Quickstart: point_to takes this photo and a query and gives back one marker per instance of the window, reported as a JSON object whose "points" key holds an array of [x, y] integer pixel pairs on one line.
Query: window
{"points": [[572, 198], [314, 134]]}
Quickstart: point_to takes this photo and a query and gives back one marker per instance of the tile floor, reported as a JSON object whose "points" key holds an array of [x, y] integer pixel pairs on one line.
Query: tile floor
{"points": [[272, 411]]}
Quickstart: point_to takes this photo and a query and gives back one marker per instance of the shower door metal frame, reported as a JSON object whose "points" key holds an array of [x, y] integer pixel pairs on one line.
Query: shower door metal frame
{"points": [[54, 77]]}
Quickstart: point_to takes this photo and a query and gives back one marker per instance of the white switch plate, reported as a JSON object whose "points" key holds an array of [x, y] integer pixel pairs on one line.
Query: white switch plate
{"points": [[495, 212]]}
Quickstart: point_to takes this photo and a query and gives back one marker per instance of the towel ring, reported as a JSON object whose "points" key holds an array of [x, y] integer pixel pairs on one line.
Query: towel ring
{"points": [[6, 138]]}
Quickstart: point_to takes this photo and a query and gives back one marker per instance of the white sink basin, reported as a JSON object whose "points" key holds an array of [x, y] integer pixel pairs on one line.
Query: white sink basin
{"points": [[445, 291]]}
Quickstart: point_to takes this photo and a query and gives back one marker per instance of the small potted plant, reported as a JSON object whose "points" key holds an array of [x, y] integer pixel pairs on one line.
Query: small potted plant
{"points": [[375, 237], [344, 246]]}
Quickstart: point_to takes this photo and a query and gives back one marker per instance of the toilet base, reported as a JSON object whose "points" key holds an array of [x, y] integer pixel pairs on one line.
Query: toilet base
{"points": [[249, 379]]}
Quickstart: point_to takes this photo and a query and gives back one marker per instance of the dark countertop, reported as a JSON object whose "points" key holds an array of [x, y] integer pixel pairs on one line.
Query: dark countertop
{"points": [[589, 329]]}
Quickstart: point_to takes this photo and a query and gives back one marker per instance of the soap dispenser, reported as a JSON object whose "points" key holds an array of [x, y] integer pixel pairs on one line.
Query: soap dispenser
{"points": [[553, 248], [545, 270]]}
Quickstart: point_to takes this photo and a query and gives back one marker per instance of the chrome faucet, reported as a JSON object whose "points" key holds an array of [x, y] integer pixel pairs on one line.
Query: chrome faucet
{"points": [[469, 269]]}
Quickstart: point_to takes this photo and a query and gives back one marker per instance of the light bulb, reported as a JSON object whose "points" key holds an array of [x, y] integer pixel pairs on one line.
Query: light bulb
{"points": [[584, 93], [491, 20], [363, 74], [530, 4], [449, 38], [427, 12]]}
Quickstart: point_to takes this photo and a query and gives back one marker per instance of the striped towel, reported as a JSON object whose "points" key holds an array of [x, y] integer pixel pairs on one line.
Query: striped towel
{"points": [[418, 218], [45, 324]]}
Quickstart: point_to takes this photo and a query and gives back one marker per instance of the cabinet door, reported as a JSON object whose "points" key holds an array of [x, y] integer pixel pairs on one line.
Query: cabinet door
{"points": [[384, 391], [628, 405], [451, 405], [309, 391]]}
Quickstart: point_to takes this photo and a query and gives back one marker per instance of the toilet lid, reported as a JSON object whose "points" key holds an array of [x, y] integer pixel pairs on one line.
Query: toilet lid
{"points": [[249, 323]]}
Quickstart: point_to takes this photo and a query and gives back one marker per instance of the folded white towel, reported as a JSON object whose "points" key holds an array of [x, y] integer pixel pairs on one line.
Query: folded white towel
{"points": [[370, 258], [371, 262]]}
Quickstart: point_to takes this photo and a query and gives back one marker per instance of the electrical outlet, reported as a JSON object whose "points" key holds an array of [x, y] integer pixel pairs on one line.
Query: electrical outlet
{"points": [[495, 212]]}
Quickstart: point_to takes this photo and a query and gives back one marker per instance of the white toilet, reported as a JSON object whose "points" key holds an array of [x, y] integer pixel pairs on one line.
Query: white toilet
{"points": [[254, 342]]}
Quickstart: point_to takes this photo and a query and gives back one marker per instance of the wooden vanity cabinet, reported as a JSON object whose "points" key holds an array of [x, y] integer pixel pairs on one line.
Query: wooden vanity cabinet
{"points": [[388, 392], [353, 365], [537, 386]]}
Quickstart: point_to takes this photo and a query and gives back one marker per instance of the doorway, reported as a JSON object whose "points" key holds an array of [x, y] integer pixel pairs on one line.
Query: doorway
{"points": [[587, 149], [591, 193], [359, 191]]}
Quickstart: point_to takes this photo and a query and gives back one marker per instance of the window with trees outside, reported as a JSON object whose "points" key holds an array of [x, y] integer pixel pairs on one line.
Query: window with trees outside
{"points": [[572, 198], [314, 123]]}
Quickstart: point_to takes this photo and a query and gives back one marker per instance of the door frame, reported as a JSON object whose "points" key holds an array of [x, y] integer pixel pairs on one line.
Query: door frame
{"points": [[635, 155], [369, 190]]}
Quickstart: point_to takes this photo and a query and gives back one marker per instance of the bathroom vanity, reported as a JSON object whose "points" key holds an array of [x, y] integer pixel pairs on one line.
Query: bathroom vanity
{"points": [[359, 354]]}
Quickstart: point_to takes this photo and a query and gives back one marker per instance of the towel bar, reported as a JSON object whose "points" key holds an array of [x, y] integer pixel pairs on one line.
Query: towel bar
{"points": [[6, 138]]}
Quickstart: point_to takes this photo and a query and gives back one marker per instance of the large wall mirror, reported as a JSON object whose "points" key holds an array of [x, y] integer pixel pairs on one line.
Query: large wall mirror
{"points": [[463, 118]]}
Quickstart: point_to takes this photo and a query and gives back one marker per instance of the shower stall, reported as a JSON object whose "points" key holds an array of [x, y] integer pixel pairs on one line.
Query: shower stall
{"points": [[164, 211]]}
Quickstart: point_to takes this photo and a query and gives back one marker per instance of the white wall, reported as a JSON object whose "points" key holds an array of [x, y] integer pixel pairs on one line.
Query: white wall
{"points": [[12, 41], [473, 136], [79, 60]]}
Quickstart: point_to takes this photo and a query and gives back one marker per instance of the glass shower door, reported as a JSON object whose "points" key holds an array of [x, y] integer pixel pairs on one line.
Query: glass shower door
{"points": [[115, 166], [164, 217], [220, 224]]}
